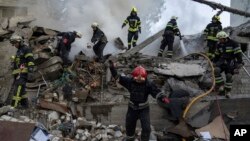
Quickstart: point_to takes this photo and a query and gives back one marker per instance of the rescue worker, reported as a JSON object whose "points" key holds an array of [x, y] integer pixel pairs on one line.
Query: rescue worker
{"points": [[139, 88], [23, 63], [168, 37], [175, 103], [228, 59], [65, 42], [210, 32], [134, 23], [100, 40]]}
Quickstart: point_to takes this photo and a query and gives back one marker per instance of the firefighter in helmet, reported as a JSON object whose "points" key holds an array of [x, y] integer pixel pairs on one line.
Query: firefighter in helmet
{"points": [[210, 32], [134, 23], [100, 40], [64, 45], [168, 37], [228, 59], [139, 88], [23, 63]]}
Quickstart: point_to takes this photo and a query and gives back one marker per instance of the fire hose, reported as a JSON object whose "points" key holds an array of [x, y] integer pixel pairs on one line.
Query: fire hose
{"points": [[195, 99]]}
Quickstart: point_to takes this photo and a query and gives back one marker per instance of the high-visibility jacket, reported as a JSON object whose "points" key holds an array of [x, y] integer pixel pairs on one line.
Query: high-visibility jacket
{"points": [[171, 28], [229, 51], [134, 23], [23, 60], [212, 29]]}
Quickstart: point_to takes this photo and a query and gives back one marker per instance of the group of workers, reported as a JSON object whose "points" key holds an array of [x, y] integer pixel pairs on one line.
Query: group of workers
{"points": [[224, 52]]}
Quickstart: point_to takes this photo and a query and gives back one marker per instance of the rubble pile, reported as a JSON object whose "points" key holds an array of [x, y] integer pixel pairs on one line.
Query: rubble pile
{"points": [[58, 94]]}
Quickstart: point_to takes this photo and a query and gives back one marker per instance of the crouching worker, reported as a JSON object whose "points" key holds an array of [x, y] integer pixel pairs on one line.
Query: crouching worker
{"points": [[175, 103], [139, 88]]}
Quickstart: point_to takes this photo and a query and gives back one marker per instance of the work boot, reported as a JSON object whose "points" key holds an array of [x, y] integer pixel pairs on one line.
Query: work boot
{"points": [[228, 95], [129, 47], [221, 90], [169, 56], [134, 44], [159, 55], [24, 103]]}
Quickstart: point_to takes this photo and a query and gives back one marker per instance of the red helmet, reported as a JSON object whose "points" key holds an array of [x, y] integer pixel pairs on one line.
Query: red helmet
{"points": [[139, 71]]}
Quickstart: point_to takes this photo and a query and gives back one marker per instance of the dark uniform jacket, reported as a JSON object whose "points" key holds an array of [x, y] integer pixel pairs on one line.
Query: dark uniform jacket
{"points": [[134, 23], [98, 36], [24, 58], [67, 38], [212, 29], [171, 28], [229, 51], [139, 92]]}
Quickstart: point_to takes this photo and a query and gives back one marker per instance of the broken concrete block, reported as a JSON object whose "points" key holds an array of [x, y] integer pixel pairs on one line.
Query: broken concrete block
{"points": [[14, 131], [6, 109], [216, 128], [53, 60], [118, 134], [53, 116], [53, 106], [4, 22], [14, 21], [180, 70]]}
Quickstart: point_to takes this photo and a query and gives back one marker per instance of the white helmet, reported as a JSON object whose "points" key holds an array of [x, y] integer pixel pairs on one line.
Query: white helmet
{"points": [[94, 25], [16, 38], [221, 35], [78, 34], [174, 18]]}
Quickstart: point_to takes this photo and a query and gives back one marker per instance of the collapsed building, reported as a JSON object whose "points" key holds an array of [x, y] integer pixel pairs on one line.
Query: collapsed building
{"points": [[82, 102]]}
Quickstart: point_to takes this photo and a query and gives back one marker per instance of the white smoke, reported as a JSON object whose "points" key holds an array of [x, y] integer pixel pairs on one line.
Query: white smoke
{"points": [[69, 15]]}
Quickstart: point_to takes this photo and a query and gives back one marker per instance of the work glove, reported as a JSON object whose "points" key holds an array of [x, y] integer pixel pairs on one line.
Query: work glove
{"points": [[65, 41], [165, 100], [123, 25], [140, 30]]}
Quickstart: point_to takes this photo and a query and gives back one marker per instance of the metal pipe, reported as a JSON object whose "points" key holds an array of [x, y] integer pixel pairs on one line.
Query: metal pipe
{"points": [[246, 71], [246, 57]]}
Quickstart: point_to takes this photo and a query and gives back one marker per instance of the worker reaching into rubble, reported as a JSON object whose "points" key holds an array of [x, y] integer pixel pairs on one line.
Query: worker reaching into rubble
{"points": [[210, 32], [168, 37], [175, 103], [134, 23], [65, 42], [139, 88], [100, 40], [228, 59], [23, 63]]}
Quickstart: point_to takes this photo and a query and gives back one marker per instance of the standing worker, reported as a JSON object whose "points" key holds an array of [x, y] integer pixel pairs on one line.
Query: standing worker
{"points": [[210, 32], [134, 27], [22, 65], [168, 37], [139, 88], [228, 59], [65, 42], [100, 40]]}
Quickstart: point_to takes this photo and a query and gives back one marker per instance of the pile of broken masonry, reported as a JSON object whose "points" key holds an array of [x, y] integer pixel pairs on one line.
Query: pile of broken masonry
{"points": [[58, 95]]}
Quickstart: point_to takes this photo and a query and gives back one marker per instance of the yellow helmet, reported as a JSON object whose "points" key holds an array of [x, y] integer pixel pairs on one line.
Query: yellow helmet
{"points": [[134, 9], [174, 18], [216, 18], [222, 35]]}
